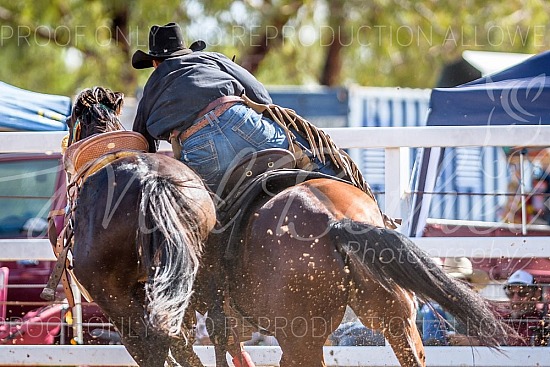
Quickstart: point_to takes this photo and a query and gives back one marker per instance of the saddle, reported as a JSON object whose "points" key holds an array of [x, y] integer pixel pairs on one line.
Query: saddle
{"points": [[80, 154], [252, 181], [241, 174]]}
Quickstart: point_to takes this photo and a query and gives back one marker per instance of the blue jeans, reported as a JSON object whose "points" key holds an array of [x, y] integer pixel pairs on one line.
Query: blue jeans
{"points": [[229, 137]]}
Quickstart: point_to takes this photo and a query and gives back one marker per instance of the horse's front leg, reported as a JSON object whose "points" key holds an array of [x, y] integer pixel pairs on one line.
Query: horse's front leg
{"points": [[223, 329]]}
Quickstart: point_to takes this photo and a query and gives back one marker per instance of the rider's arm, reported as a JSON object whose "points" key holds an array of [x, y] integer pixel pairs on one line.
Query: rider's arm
{"points": [[140, 126]]}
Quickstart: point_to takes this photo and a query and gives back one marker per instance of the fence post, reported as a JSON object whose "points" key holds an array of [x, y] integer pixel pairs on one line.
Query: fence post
{"points": [[397, 161]]}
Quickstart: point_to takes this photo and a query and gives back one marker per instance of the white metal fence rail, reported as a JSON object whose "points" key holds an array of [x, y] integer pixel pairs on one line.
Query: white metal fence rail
{"points": [[395, 141], [116, 355], [462, 171]]}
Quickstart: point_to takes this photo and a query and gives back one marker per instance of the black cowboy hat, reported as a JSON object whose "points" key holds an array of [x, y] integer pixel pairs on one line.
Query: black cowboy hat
{"points": [[164, 42]]}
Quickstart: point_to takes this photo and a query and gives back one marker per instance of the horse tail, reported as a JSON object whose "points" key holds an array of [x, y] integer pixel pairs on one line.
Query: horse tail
{"points": [[170, 249], [393, 260]]}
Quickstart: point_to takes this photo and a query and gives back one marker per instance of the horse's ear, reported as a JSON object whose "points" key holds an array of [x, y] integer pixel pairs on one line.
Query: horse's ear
{"points": [[70, 123]]}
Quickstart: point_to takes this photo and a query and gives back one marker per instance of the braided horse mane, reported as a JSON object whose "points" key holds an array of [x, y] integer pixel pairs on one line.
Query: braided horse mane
{"points": [[96, 110]]}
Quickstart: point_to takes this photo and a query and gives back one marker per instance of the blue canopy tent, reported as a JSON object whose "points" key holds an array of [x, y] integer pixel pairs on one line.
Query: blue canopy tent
{"points": [[23, 110], [519, 95]]}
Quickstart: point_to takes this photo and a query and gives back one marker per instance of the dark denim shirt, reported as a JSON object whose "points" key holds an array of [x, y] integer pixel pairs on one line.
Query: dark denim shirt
{"points": [[182, 86]]}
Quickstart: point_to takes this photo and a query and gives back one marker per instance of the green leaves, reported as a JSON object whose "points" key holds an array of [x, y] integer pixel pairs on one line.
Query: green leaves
{"points": [[63, 46]]}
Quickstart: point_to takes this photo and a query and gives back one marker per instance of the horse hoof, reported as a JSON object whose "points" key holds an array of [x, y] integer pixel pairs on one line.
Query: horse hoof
{"points": [[48, 294]]}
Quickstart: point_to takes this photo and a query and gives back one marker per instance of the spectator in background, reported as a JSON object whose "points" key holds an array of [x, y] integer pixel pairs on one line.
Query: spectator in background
{"points": [[537, 201], [202, 337], [525, 311], [438, 326], [352, 332], [431, 318], [436, 322]]}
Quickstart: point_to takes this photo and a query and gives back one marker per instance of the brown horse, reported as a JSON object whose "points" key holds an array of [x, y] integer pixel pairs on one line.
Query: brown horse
{"points": [[139, 227], [318, 246], [303, 253]]}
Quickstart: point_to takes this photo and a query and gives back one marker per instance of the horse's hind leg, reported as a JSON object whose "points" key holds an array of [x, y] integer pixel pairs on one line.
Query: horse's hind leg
{"points": [[405, 341], [183, 354], [301, 352], [147, 346], [181, 349], [218, 332], [394, 313]]}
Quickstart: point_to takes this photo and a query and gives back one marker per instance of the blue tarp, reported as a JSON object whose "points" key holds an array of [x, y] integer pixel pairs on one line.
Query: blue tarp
{"points": [[519, 95], [23, 110]]}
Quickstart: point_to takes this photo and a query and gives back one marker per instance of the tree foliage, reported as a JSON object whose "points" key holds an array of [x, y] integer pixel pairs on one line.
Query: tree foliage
{"points": [[62, 46]]}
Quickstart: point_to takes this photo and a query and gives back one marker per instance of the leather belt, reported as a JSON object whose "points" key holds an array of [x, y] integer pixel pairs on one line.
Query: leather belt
{"points": [[217, 107]]}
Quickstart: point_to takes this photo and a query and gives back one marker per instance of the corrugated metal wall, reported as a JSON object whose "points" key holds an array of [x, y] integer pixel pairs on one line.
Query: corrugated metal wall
{"points": [[464, 170]]}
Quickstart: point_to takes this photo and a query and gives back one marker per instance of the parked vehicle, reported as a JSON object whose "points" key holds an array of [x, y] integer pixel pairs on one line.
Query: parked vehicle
{"points": [[27, 184]]}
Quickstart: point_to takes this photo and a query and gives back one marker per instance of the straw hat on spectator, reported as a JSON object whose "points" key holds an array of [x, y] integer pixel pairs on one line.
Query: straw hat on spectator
{"points": [[458, 267], [461, 268], [437, 261]]}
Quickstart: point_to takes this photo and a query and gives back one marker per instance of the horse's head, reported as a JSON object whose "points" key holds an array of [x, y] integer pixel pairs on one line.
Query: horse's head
{"points": [[96, 110]]}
